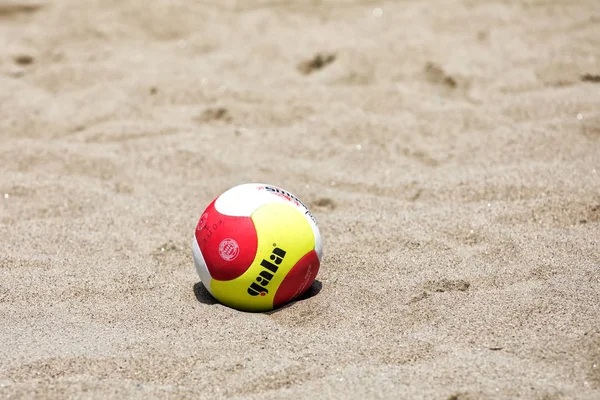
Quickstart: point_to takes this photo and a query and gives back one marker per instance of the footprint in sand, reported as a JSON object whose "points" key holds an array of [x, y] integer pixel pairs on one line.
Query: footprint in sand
{"points": [[214, 114], [319, 61], [323, 204], [23, 59], [14, 9], [447, 285]]}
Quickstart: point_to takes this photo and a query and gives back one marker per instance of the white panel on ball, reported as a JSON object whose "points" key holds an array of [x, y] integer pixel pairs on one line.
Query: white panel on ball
{"points": [[318, 242], [201, 265], [243, 200]]}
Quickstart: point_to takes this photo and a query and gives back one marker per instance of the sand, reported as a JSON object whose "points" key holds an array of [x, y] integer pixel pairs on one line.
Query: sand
{"points": [[449, 150]]}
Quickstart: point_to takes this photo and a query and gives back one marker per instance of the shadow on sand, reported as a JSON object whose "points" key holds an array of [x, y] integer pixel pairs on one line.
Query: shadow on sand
{"points": [[204, 297]]}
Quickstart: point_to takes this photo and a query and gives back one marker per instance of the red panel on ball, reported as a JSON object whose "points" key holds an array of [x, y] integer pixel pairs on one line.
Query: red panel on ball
{"points": [[298, 280], [228, 244]]}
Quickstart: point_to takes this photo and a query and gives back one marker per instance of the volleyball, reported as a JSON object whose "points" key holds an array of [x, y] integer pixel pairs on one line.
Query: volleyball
{"points": [[257, 247]]}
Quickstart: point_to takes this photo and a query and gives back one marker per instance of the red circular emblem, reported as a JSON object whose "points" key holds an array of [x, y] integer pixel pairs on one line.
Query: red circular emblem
{"points": [[229, 249]]}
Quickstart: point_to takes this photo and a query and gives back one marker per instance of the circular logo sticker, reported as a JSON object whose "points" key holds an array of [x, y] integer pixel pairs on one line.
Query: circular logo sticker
{"points": [[229, 249]]}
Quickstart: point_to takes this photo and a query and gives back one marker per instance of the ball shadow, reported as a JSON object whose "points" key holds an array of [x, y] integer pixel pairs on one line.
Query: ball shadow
{"points": [[312, 291], [204, 297]]}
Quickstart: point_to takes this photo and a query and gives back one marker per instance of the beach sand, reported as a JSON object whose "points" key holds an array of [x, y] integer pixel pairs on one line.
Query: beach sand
{"points": [[449, 150]]}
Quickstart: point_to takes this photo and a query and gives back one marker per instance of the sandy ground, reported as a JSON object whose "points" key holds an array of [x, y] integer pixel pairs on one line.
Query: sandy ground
{"points": [[450, 151]]}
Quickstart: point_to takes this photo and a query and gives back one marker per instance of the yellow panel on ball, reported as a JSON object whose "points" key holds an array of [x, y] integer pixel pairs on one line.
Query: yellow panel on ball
{"points": [[284, 237]]}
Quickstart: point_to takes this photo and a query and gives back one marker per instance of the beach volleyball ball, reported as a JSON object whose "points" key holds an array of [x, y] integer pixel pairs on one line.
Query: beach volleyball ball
{"points": [[257, 247]]}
